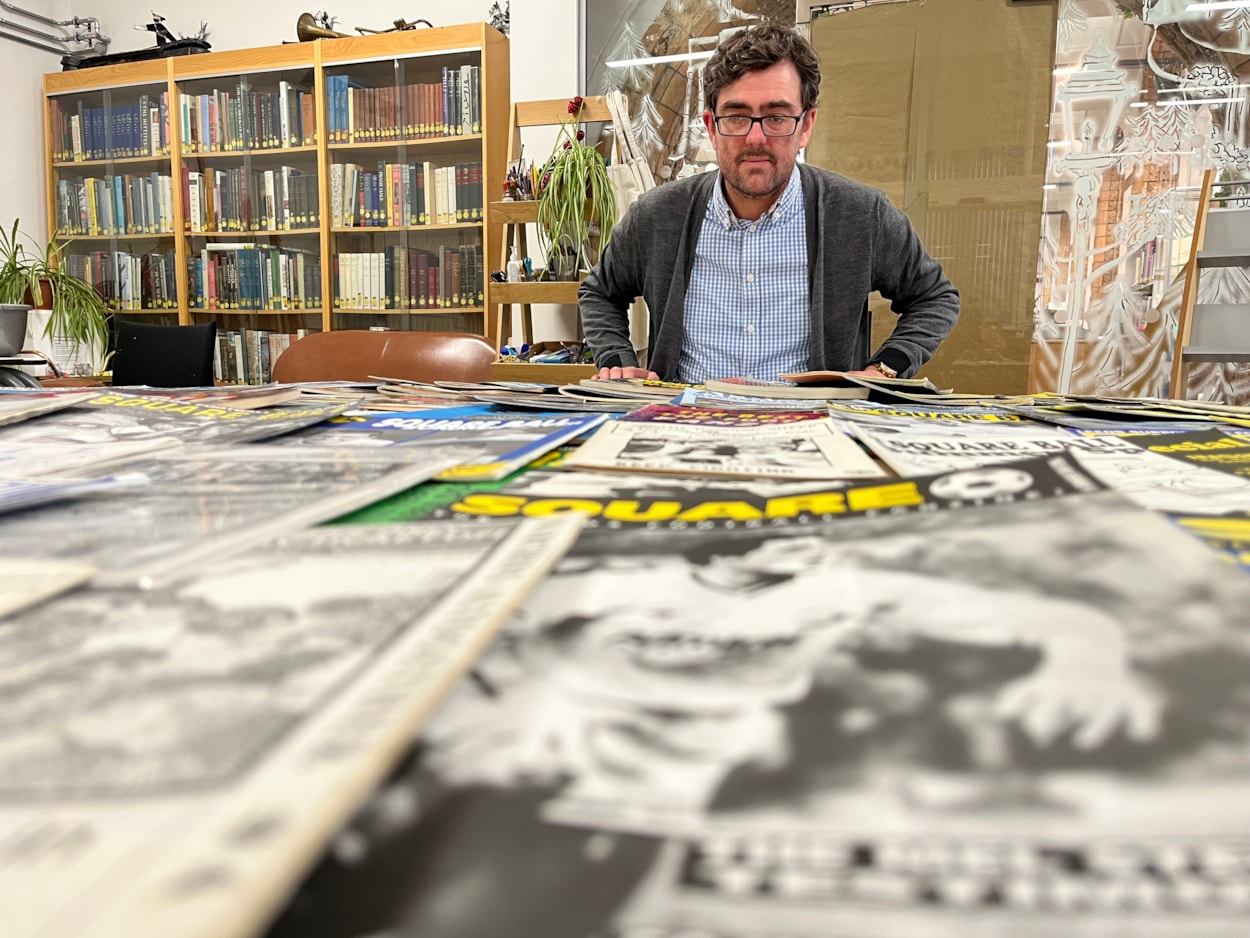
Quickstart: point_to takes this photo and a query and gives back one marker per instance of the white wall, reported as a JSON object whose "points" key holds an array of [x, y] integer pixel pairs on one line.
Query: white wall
{"points": [[544, 39], [22, 171], [543, 48]]}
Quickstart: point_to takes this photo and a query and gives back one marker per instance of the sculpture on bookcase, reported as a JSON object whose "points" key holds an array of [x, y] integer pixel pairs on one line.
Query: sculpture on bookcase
{"points": [[320, 25]]}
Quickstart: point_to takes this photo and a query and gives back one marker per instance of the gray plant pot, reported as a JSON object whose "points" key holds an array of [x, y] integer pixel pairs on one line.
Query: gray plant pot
{"points": [[12, 328]]}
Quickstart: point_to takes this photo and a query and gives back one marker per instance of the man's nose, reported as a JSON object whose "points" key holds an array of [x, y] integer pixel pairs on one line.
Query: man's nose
{"points": [[756, 133]]}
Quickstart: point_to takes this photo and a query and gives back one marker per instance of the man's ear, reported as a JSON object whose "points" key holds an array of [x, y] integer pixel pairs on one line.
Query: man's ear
{"points": [[709, 124], [809, 121]]}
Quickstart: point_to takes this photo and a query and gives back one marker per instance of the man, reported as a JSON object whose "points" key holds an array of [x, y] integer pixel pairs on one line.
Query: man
{"points": [[765, 267]]}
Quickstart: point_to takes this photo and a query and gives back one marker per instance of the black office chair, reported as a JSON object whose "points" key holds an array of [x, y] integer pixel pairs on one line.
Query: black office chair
{"points": [[164, 356]]}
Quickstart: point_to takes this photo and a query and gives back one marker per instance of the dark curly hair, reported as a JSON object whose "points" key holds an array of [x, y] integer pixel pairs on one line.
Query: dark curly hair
{"points": [[758, 48]]}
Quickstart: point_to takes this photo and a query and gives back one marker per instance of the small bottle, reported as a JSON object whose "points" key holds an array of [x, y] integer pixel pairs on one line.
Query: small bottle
{"points": [[514, 267]]}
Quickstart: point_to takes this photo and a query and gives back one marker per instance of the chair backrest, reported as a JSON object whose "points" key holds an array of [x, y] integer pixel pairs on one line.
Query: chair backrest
{"points": [[163, 356], [356, 354]]}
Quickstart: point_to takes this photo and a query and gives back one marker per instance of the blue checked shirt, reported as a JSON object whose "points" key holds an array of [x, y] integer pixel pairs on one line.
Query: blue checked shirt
{"points": [[747, 312]]}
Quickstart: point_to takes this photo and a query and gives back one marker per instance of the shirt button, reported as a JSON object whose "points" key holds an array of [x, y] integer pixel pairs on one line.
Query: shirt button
{"points": [[750, 278], [752, 227], [750, 328]]}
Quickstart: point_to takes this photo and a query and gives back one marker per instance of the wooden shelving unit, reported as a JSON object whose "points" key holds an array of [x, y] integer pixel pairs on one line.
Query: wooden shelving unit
{"points": [[123, 143]]}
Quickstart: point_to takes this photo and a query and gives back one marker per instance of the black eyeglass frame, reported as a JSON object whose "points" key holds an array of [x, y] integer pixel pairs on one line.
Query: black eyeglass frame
{"points": [[758, 120]]}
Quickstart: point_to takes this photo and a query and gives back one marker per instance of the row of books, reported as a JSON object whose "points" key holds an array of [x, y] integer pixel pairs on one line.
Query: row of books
{"points": [[129, 280], [450, 107], [135, 129], [119, 204], [237, 199], [243, 119], [451, 277], [254, 277], [247, 356], [404, 194]]}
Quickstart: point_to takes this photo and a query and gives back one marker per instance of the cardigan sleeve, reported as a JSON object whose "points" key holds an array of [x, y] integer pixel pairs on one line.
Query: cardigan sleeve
{"points": [[926, 302]]}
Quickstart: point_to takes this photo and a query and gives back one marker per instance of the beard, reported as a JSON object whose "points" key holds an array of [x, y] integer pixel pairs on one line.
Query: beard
{"points": [[758, 180]]}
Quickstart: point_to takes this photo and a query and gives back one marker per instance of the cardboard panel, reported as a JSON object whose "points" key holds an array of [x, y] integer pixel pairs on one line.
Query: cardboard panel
{"points": [[945, 108]]}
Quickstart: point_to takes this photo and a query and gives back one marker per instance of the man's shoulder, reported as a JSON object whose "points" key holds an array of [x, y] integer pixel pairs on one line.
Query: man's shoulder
{"points": [[826, 184]]}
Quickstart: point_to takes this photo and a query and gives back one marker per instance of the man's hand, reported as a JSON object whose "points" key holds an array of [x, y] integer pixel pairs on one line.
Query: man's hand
{"points": [[872, 371], [607, 373]]}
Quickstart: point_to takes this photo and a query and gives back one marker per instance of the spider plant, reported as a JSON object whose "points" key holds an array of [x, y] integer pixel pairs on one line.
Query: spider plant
{"points": [[576, 198], [40, 280]]}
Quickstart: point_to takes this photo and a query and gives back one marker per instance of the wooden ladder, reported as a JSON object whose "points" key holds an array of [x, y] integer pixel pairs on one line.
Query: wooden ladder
{"points": [[1212, 332], [515, 216]]}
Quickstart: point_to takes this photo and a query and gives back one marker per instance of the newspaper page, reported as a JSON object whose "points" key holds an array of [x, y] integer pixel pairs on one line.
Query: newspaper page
{"points": [[200, 501], [1211, 448], [22, 405], [26, 581], [1022, 716], [117, 417], [718, 416], [810, 449], [174, 759], [1151, 479]]}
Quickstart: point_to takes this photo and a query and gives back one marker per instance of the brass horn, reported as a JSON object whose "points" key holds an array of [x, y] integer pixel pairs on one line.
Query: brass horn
{"points": [[307, 29]]}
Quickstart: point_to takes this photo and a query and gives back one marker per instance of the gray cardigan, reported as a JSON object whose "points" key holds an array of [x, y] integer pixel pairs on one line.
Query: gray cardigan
{"points": [[857, 242]]}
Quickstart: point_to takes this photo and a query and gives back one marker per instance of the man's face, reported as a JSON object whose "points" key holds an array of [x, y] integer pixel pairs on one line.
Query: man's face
{"points": [[756, 168]]}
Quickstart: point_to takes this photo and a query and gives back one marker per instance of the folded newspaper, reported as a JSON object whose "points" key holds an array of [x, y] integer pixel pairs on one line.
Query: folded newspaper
{"points": [[174, 759]]}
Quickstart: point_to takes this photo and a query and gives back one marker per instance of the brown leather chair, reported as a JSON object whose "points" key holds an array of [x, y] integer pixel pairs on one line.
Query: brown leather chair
{"points": [[355, 355]]}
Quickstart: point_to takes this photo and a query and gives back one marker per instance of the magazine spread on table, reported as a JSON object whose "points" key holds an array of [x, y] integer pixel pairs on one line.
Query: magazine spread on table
{"points": [[504, 442], [1012, 692], [27, 581], [1150, 478], [791, 449], [116, 417], [202, 500], [223, 727], [16, 406]]}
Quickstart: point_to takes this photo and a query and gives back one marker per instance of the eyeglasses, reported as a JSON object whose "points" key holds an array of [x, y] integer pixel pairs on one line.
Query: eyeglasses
{"points": [[773, 125]]}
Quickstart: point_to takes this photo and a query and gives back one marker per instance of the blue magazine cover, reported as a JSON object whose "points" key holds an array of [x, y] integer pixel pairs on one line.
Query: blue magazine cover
{"points": [[503, 442]]}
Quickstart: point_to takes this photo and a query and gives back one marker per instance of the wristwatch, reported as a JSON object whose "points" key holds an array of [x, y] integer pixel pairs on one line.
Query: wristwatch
{"points": [[884, 369]]}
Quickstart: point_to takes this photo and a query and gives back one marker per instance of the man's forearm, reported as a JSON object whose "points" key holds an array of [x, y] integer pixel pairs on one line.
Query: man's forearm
{"points": [[606, 326]]}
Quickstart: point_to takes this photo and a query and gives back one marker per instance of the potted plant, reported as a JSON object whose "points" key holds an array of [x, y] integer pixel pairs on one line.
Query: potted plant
{"points": [[76, 314], [576, 199]]}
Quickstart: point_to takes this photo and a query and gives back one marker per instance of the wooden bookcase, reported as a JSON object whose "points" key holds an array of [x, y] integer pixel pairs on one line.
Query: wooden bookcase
{"points": [[221, 186]]}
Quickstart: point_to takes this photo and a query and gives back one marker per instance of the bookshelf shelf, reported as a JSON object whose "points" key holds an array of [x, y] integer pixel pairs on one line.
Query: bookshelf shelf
{"points": [[107, 163], [383, 229], [243, 154], [420, 311], [203, 197]]}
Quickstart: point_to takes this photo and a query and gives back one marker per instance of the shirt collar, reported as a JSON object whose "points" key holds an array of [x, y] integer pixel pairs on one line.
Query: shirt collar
{"points": [[722, 213]]}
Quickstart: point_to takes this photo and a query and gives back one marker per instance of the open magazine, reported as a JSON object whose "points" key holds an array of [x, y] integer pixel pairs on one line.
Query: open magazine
{"points": [[174, 759], [789, 449], [997, 701]]}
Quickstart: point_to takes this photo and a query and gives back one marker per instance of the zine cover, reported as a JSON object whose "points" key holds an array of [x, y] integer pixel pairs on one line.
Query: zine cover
{"points": [[172, 760], [1149, 477], [1002, 701], [792, 449], [492, 444], [718, 417], [116, 417]]}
